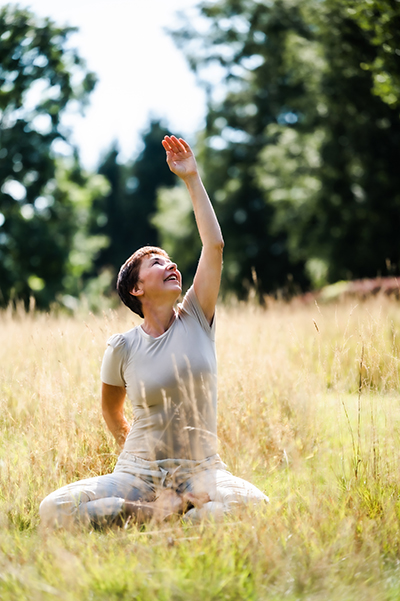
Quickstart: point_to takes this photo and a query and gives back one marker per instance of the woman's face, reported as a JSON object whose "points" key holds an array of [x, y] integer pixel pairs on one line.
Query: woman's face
{"points": [[159, 277]]}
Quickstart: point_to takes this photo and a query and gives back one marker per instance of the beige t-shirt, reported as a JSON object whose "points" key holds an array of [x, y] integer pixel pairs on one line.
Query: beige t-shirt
{"points": [[172, 383]]}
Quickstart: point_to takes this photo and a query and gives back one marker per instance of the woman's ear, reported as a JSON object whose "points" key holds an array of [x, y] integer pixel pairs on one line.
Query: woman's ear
{"points": [[137, 292]]}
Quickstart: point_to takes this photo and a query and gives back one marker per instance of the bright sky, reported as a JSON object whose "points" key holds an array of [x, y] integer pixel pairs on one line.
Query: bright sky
{"points": [[141, 73]]}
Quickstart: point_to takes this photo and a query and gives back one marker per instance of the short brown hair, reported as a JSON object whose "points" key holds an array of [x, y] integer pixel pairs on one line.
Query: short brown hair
{"points": [[128, 276]]}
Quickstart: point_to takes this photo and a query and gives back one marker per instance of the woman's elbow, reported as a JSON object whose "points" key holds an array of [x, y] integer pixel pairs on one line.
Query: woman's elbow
{"points": [[219, 244]]}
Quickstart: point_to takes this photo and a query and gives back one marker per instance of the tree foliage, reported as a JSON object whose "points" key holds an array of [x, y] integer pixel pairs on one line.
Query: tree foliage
{"points": [[248, 47], [42, 202], [380, 20], [342, 214], [299, 150], [125, 215], [174, 221]]}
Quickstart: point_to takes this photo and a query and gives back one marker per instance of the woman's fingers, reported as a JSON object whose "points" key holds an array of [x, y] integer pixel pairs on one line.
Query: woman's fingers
{"points": [[185, 145], [172, 144]]}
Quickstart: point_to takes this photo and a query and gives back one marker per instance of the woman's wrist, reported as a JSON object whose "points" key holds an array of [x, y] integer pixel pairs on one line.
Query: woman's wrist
{"points": [[121, 434], [192, 179]]}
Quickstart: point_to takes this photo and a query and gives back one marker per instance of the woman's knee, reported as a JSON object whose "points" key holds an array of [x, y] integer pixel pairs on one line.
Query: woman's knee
{"points": [[59, 510], [48, 512], [232, 490]]}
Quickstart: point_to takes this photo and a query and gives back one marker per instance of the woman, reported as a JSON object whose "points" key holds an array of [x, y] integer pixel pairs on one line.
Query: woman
{"points": [[167, 366]]}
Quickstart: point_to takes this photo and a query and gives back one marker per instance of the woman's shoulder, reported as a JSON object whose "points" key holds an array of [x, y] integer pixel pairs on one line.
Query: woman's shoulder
{"points": [[123, 340], [190, 306], [186, 305]]}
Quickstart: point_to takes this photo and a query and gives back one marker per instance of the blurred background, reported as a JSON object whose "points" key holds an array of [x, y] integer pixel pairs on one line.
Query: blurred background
{"points": [[292, 107]]}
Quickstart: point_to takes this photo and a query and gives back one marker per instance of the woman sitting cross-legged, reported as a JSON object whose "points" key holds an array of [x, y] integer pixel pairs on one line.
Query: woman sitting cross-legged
{"points": [[167, 367]]}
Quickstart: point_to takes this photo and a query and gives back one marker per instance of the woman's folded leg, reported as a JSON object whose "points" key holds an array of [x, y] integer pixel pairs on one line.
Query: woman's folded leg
{"points": [[225, 490], [97, 500]]}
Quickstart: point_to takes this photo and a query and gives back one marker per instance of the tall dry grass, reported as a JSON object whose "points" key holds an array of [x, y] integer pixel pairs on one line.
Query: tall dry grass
{"points": [[308, 410]]}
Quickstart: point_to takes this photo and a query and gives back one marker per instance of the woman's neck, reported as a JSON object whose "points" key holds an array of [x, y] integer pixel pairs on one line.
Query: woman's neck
{"points": [[157, 321]]}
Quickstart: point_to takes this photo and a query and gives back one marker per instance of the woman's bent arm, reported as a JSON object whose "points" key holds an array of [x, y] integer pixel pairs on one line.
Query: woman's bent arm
{"points": [[112, 405], [181, 161]]}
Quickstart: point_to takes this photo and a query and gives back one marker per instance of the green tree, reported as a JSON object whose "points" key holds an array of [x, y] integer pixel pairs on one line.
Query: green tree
{"points": [[177, 230], [242, 46], [41, 76], [336, 187], [109, 212], [300, 153], [125, 215], [380, 20]]}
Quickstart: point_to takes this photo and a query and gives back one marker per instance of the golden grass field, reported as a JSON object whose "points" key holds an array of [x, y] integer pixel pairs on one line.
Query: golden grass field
{"points": [[309, 411]]}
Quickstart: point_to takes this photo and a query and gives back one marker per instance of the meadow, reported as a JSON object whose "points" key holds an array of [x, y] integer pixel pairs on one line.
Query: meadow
{"points": [[309, 411]]}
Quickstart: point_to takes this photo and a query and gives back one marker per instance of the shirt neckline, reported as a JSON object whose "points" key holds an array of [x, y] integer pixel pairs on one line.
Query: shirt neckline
{"points": [[154, 339]]}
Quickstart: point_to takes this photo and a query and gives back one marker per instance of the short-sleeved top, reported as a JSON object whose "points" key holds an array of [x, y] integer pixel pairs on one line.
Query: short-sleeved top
{"points": [[171, 381]]}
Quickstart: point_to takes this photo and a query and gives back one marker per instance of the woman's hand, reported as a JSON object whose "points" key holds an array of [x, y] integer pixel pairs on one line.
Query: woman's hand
{"points": [[180, 157], [168, 504]]}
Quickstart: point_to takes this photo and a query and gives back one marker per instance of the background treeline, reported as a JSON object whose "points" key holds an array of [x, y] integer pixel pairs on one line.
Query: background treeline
{"points": [[300, 153]]}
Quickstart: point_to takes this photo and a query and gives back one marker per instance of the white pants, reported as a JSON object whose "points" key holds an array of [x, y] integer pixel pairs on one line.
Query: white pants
{"points": [[99, 500]]}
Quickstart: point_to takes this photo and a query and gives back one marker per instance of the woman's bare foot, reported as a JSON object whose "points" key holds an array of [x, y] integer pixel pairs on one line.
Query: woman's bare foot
{"points": [[195, 500]]}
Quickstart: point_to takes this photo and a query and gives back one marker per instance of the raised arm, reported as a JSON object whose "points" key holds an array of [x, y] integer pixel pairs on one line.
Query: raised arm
{"points": [[207, 279]]}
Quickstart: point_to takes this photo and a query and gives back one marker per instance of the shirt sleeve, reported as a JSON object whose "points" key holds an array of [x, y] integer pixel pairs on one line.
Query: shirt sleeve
{"points": [[113, 361], [191, 305]]}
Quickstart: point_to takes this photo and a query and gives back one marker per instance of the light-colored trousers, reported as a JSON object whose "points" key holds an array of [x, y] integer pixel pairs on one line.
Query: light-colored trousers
{"points": [[99, 500]]}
